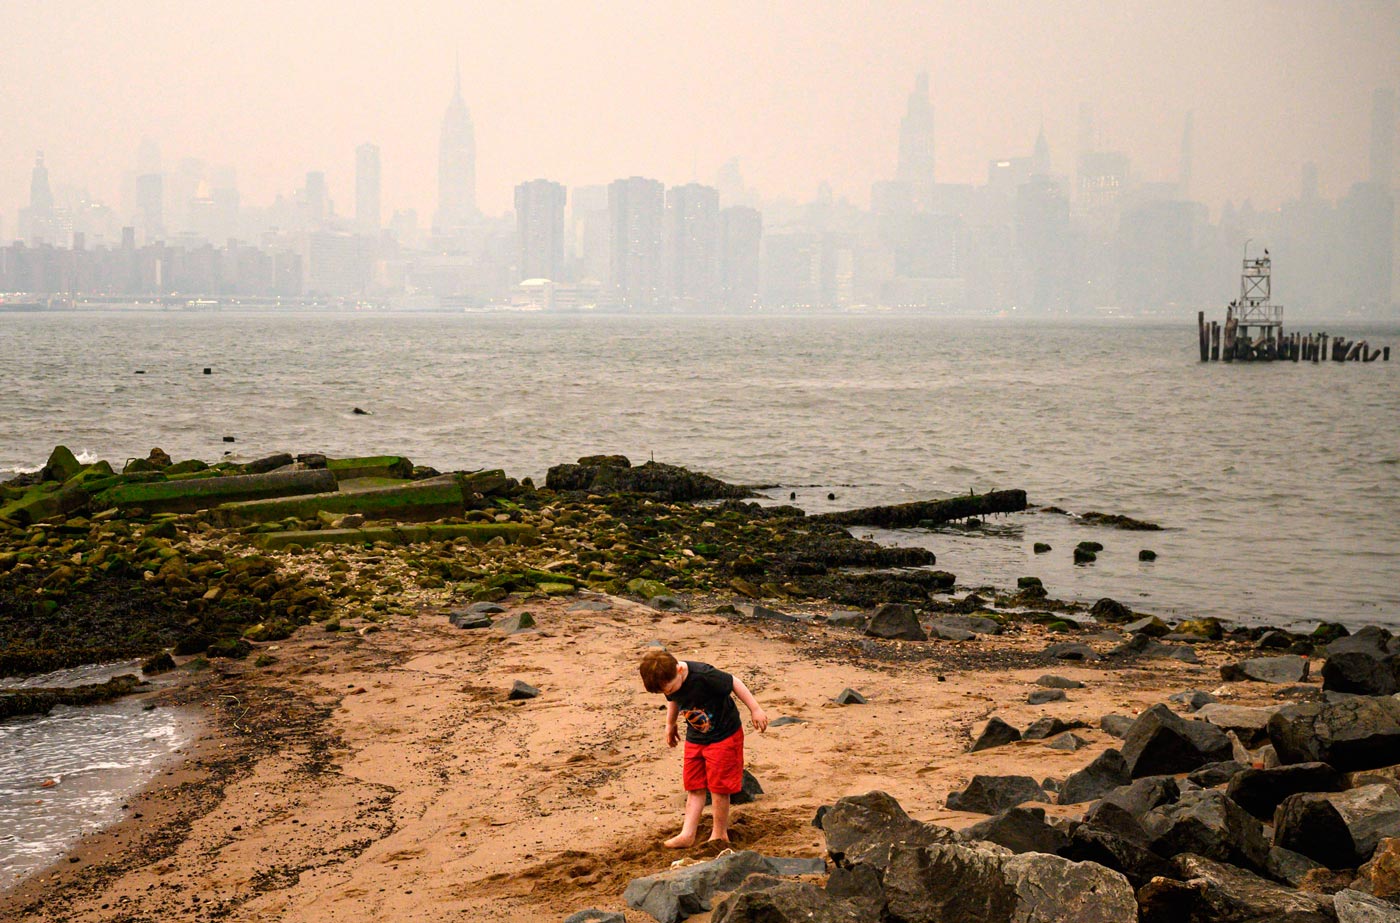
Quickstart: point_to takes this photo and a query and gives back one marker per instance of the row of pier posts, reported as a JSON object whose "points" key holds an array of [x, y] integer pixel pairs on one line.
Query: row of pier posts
{"points": [[1224, 342]]}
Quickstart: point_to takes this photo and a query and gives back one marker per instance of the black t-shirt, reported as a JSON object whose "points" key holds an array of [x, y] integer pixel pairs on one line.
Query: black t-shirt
{"points": [[706, 701]]}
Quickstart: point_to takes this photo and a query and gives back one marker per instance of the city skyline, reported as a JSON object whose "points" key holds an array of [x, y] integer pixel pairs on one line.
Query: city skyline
{"points": [[604, 122]]}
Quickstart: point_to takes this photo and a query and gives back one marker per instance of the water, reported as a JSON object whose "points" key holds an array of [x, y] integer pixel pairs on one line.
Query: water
{"points": [[67, 773], [1279, 484]]}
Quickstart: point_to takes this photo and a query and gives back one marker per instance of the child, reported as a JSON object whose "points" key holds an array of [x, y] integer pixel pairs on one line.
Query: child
{"points": [[714, 735]]}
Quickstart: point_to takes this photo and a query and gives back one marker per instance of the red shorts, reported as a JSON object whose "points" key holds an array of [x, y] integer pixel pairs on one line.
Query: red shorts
{"points": [[718, 767]]}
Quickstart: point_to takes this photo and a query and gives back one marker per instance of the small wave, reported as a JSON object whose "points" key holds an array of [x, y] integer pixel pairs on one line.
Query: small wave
{"points": [[23, 469]]}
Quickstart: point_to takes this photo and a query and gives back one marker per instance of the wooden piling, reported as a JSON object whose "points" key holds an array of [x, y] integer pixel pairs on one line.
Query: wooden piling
{"points": [[1385, 354], [1201, 335]]}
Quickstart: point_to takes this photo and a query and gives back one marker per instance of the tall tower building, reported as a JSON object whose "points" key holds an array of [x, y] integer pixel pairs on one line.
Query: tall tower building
{"points": [[916, 144], [636, 216], [741, 239], [692, 245], [40, 195], [456, 165], [539, 223], [367, 194], [1383, 137], [38, 221], [1040, 160]]}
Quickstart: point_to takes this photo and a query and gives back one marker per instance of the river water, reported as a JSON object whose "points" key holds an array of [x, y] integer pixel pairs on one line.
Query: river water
{"points": [[1278, 485]]}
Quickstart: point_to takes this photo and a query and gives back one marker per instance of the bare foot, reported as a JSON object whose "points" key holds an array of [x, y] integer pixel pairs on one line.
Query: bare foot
{"points": [[718, 839], [680, 841]]}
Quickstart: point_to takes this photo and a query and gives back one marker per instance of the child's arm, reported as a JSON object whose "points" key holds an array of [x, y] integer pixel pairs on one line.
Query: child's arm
{"points": [[673, 734], [760, 717]]}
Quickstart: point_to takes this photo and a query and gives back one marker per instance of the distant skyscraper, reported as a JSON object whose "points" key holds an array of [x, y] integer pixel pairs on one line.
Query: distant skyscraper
{"points": [[456, 165], [40, 195], [1187, 153], [367, 195], [1040, 160], [692, 245], [40, 222], [588, 232], [150, 206], [1383, 137], [636, 215], [916, 143], [539, 223], [741, 238]]}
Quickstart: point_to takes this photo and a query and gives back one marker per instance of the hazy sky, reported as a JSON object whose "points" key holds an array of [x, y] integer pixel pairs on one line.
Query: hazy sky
{"points": [[584, 92]]}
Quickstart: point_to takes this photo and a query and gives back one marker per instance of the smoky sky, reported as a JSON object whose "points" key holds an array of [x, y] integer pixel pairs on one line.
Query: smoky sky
{"points": [[799, 92]]}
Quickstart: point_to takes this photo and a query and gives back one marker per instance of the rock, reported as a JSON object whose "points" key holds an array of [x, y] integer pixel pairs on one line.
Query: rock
{"points": [[1325, 881], [1147, 554], [1356, 907], [1249, 723], [860, 889], [765, 899], [1041, 548], [666, 604], [1161, 742], [1373, 641], [1051, 681], [970, 603], [1212, 892], [784, 721], [994, 794], [947, 633], [977, 624], [1207, 823], [1274, 640], [1049, 726], [469, 619], [673, 895], [1066, 741], [997, 733], [1357, 733], [486, 608], [1123, 854], [772, 615], [591, 605], [647, 589], [594, 915], [931, 884], [514, 624], [847, 619], [1277, 670], [1071, 650], [1019, 830], [1381, 875], [749, 791], [1107, 772], [1046, 696], [61, 466], [160, 663], [1361, 673], [1084, 556], [1117, 725], [1339, 829], [895, 622], [1144, 795], [1213, 774], [1193, 699], [849, 696], [1150, 625], [860, 828], [667, 482], [1288, 867], [522, 690], [1110, 818], [1260, 791], [1208, 628], [794, 865]]}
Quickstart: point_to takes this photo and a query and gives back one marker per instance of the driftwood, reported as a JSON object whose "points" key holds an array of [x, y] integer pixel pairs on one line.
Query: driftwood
{"points": [[904, 515]]}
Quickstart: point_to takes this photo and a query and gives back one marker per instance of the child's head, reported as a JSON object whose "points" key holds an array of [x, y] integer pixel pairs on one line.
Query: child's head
{"points": [[659, 671]]}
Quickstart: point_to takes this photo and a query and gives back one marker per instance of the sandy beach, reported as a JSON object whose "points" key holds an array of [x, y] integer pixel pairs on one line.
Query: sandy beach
{"points": [[383, 774]]}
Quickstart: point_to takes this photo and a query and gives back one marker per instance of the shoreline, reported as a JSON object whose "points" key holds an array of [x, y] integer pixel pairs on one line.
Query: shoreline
{"points": [[204, 826]]}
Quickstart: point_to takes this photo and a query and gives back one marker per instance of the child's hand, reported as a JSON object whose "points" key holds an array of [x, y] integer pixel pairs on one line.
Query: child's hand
{"points": [[673, 735], [760, 719]]}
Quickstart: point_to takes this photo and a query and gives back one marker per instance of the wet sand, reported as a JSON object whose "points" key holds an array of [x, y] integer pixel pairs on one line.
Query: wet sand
{"points": [[384, 775]]}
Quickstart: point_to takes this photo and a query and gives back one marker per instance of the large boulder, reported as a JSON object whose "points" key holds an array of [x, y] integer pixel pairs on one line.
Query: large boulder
{"points": [[1283, 670], [1107, 772], [1209, 824], [1351, 734], [1339, 829], [1360, 673], [1017, 829], [994, 794], [1358, 907], [1123, 854], [1145, 794], [944, 883], [860, 828], [1205, 891], [1249, 724], [1161, 742], [767, 899], [1260, 791], [1381, 875], [613, 474], [896, 622], [1373, 641]]}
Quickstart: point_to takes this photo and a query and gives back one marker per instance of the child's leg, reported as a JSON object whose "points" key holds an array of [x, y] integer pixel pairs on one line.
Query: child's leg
{"points": [[720, 808], [694, 804]]}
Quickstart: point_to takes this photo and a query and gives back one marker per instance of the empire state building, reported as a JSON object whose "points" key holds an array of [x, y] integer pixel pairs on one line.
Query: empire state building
{"points": [[456, 165]]}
